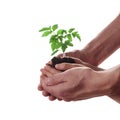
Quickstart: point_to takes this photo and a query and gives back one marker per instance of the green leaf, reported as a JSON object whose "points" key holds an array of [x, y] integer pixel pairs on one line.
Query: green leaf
{"points": [[54, 27], [60, 38], [54, 52], [64, 46], [46, 33], [68, 43], [74, 34], [69, 37], [53, 38], [61, 32], [78, 36], [55, 45], [71, 30], [44, 29]]}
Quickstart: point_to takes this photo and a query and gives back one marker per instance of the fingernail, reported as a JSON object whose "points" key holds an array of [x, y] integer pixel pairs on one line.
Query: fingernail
{"points": [[56, 66], [40, 88], [48, 82]]}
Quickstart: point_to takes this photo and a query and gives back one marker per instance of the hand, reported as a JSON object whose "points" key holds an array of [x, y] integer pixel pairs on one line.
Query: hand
{"points": [[80, 54], [49, 71], [78, 83], [78, 63]]}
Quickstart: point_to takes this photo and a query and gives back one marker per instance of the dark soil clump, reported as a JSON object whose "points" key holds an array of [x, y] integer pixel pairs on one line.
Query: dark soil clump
{"points": [[57, 60]]}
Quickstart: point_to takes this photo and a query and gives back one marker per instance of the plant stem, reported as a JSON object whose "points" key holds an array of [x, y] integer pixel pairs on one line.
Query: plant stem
{"points": [[64, 55]]}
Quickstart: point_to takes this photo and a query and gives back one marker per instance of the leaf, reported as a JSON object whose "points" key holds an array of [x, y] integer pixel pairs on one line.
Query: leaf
{"points": [[64, 46], [46, 33], [69, 37], [60, 38], [54, 52], [54, 27], [78, 36], [53, 38], [61, 32], [71, 30], [44, 29], [68, 43], [55, 45], [74, 34]]}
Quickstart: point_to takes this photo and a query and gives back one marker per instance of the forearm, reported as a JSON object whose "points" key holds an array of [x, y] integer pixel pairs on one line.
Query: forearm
{"points": [[104, 44]]}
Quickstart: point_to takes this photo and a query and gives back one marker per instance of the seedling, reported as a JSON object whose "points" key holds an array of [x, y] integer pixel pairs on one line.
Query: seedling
{"points": [[60, 39]]}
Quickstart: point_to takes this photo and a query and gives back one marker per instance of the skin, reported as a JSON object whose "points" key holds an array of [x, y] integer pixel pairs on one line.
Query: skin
{"points": [[100, 47], [88, 83], [47, 71], [93, 54]]}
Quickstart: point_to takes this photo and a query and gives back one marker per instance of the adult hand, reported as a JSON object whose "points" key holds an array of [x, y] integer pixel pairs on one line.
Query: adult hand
{"points": [[48, 71], [78, 83], [80, 54], [78, 63]]}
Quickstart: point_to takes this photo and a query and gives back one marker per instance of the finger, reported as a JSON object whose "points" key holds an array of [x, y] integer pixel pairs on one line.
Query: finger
{"points": [[51, 69], [49, 63], [77, 60], [51, 98], [56, 79], [42, 73], [45, 93], [66, 66], [42, 77], [46, 73], [40, 87], [59, 99], [63, 66]]}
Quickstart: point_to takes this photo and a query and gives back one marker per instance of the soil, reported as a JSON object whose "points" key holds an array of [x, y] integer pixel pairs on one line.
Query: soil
{"points": [[56, 60]]}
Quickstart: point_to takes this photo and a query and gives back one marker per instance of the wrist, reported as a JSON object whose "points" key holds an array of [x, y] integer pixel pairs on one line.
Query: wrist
{"points": [[115, 86], [88, 56], [115, 82], [109, 81]]}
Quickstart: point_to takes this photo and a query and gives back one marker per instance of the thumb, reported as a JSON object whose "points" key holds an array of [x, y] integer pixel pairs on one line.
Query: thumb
{"points": [[63, 66], [54, 80]]}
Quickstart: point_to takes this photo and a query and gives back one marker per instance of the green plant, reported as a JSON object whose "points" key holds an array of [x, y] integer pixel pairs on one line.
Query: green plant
{"points": [[59, 38]]}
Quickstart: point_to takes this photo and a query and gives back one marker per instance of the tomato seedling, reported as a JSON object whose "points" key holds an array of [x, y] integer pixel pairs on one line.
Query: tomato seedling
{"points": [[60, 39]]}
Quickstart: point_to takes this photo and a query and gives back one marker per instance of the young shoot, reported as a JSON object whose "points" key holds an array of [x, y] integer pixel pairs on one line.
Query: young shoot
{"points": [[59, 39]]}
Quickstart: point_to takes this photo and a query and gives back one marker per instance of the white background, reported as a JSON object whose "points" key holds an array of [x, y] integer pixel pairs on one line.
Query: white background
{"points": [[23, 52]]}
